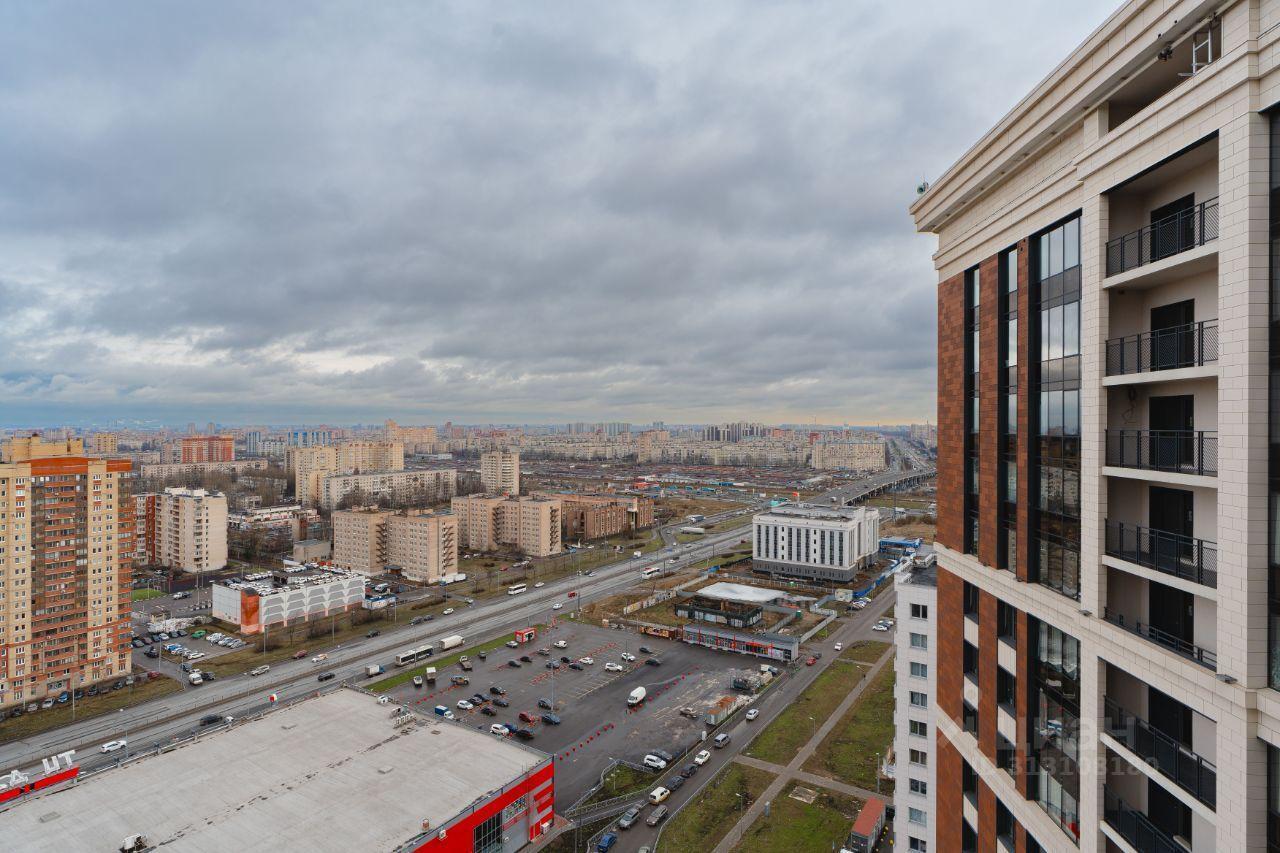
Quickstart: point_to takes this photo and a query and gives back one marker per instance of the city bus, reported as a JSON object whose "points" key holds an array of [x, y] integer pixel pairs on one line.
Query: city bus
{"points": [[651, 572], [516, 589], [412, 655]]}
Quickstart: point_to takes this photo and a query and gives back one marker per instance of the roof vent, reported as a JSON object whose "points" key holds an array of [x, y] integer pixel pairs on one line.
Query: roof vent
{"points": [[385, 770]]}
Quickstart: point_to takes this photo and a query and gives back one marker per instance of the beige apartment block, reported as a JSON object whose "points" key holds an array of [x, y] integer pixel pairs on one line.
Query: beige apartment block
{"points": [[419, 486], [311, 465], [1108, 271], [104, 444], [191, 530], [500, 472], [424, 545], [850, 456], [530, 524], [66, 558]]}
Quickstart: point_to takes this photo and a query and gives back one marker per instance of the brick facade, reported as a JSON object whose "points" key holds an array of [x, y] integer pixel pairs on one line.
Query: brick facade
{"points": [[989, 402], [950, 799], [951, 403], [950, 617]]}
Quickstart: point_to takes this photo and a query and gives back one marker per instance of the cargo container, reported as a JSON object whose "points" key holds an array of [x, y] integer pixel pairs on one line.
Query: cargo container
{"points": [[451, 642]]}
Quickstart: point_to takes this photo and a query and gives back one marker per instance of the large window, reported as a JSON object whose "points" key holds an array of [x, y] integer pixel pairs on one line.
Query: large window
{"points": [[487, 837], [1055, 448], [972, 357], [1273, 799], [1007, 477], [1274, 455], [1055, 727]]}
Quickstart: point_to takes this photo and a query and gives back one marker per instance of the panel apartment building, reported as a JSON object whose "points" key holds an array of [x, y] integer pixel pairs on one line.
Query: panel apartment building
{"points": [[182, 529], [1107, 537], [500, 472], [66, 549], [423, 545], [312, 464], [488, 522]]}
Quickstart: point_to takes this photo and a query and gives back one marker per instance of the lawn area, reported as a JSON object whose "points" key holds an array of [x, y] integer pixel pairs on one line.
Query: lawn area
{"points": [[144, 594], [443, 661], [282, 646], [621, 781], [796, 827], [849, 752], [780, 742], [705, 819], [89, 706]]}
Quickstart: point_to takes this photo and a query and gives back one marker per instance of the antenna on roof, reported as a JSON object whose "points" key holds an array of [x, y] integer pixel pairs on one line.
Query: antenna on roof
{"points": [[922, 187]]}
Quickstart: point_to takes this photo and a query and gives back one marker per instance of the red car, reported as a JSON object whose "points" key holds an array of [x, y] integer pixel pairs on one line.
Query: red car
{"points": [[810, 661], [572, 594]]}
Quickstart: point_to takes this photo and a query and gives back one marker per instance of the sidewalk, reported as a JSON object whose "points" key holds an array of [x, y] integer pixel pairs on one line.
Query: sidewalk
{"points": [[793, 769], [806, 776]]}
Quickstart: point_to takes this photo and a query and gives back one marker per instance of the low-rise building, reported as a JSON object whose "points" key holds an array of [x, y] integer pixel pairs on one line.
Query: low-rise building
{"points": [[335, 771], [311, 550], [417, 486], [422, 546], [530, 524], [822, 543], [292, 517], [600, 516], [285, 597]]}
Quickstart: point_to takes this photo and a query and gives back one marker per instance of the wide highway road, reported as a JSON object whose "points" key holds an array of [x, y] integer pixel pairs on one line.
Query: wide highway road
{"points": [[178, 714]]}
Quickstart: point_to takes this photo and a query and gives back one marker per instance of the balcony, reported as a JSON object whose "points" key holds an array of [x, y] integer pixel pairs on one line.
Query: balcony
{"points": [[1180, 232], [1191, 772], [1135, 827], [1206, 658], [1177, 451], [1183, 557], [1190, 345]]}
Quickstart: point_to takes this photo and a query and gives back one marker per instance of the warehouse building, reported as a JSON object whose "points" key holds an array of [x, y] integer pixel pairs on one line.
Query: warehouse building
{"points": [[335, 772], [286, 597]]}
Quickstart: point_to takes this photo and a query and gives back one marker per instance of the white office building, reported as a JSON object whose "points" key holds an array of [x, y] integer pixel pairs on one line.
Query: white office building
{"points": [[820, 543], [913, 717]]}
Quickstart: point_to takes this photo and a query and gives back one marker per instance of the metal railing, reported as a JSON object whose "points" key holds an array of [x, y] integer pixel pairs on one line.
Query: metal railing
{"points": [[1172, 553], [1190, 345], [1184, 230], [1174, 759], [1180, 451], [1135, 827], [1206, 658]]}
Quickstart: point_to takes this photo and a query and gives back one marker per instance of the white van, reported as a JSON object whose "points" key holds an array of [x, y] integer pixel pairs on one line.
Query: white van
{"points": [[658, 794]]}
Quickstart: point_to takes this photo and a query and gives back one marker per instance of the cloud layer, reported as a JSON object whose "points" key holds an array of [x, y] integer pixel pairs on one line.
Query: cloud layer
{"points": [[487, 212]]}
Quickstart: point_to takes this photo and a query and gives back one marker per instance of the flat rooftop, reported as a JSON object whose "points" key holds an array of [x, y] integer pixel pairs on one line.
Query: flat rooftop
{"points": [[328, 773], [740, 592], [813, 511]]}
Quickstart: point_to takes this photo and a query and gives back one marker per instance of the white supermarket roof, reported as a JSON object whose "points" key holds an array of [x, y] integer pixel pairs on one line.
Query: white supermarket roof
{"points": [[741, 592]]}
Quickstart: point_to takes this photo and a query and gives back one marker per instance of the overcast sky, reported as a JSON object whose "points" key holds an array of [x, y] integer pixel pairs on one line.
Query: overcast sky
{"points": [[552, 211]]}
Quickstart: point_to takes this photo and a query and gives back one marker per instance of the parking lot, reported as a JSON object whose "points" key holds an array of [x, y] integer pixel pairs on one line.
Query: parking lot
{"points": [[596, 724]]}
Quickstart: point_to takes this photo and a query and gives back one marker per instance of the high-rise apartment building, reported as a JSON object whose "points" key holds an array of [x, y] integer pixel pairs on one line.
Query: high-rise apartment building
{"points": [[313, 463], [66, 558], [423, 545], [500, 472], [104, 444], [207, 448], [1108, 548], [184, 528], [915, 694], [530, 524]]}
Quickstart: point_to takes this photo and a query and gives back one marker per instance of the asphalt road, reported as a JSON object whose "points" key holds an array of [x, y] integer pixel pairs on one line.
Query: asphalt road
{"points": [[771, 704], [178, 714]]}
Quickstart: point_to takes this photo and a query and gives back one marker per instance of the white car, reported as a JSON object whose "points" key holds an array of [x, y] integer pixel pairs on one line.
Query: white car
{"points": [[880, 626], [557, 605], [839, 647], [612, 667], [628, 657], [539, 585], [560, 644], [512, 644], [447, 611], [260, 670], [319, 658], [587, 660], [113, 745], [753, 713], [499, 729], [464, 705], [702, 757], [655, 762]]}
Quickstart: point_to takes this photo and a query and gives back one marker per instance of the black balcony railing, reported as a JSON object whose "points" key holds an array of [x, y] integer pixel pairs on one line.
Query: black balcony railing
{"points": [[1180, 451], [1184, 230], [1181, 556], [1175, 760], [1190, 345], [1135, 827], [1206, 658]]}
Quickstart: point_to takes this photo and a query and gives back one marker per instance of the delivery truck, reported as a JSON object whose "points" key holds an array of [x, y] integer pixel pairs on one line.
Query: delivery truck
{"points": [[431, 675], [451, 642], [636, 697], [371, 671]]}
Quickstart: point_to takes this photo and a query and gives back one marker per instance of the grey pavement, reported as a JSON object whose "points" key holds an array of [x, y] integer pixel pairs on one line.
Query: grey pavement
{"points": [[793, 769]]}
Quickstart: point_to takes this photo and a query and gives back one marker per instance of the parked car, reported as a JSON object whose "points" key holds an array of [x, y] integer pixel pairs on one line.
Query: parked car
{"points": [[882, 625], [526, 717], [479, 699], [612, 667], [560, 644], [655, 762], [545, 703], [300, 654], [526, 658], [487, 711], [587, 660], [576, 665], [260, 670], [496, 690], [524, 734], [417, 681], [721, 740], [514, 664], [464, 705], [606, 842], [811, 661], [320, 657], [447, 611], [501, 703], [674, 783], [551, 719], [499, 729], [689, 770], [653, 662], [702, 757], [658, 794], [656, 816], [645, 650], [512, 644], [752, 714], [375, 632], [629, 818], [838, 647], [628, 657]]}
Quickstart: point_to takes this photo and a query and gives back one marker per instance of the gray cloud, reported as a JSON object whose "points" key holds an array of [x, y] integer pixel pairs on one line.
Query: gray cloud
{"points": [[338, 211]]}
